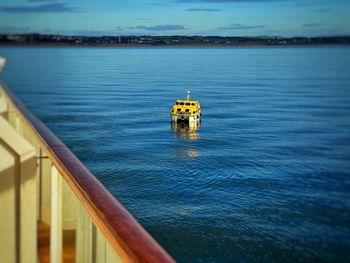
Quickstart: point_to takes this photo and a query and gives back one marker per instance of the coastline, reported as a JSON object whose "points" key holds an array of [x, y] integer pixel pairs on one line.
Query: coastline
{"points": [[166, 41], [247, 44]]}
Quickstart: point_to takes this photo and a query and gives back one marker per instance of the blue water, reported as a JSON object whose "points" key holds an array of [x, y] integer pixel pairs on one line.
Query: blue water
{"points": [[265, 178]]}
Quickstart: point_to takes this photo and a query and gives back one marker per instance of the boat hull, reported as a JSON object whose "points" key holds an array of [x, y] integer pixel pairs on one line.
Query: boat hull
{"points": [[186, 118]]}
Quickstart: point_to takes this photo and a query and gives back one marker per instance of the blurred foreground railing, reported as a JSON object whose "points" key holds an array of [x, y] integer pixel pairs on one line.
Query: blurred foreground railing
{"points": [[52, 208]]}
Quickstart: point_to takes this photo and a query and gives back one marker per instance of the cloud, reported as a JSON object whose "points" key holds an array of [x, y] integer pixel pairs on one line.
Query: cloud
{"points": [[242, 27], [230, 1], [43, 8], [203, 10], [161, 27], [91, 33], [119, 28], [41, 0], [313, 25]]}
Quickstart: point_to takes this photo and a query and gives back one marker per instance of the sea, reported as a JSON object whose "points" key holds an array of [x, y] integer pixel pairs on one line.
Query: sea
{"points": [[265, 177]]}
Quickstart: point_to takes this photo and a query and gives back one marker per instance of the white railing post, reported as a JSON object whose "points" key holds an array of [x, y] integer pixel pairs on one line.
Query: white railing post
{"points": [[84, 237], [56, 217], [18, 227]]}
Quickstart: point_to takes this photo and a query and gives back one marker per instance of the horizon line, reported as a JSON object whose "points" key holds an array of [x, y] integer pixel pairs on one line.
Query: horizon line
{"points": [[144, 35]]}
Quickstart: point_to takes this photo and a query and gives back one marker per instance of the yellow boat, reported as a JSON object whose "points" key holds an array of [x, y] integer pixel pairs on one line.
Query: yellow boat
{"points": [[186, 110]]}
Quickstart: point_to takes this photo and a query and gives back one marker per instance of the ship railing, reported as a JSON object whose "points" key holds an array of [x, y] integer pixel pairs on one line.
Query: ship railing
{"points": [[53, 208]]}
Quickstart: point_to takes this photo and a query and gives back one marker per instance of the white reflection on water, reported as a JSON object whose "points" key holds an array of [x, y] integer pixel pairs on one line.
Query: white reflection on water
{"points": [[192, 153], [186, 131]]}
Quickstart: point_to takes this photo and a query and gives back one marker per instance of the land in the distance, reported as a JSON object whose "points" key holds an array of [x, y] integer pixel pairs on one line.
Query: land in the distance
{"points": [[42, 39]]}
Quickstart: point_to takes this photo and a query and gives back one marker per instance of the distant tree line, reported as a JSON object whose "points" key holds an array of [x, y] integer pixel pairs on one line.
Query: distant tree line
{"points": [[166, 40]]}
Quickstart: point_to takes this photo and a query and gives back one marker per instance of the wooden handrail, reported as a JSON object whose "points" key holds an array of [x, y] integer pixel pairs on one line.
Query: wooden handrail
{"points": [[125, 235]]}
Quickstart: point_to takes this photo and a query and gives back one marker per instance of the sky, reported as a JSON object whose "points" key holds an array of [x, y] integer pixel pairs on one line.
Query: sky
{"points": [[285, 18]]}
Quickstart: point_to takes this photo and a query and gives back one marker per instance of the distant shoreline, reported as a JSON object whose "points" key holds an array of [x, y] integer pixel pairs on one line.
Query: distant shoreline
{"points": [[48, 44], [165, 41]]}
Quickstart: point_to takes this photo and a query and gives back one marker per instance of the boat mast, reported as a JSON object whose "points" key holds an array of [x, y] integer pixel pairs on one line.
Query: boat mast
{"points": [[188, 95]]}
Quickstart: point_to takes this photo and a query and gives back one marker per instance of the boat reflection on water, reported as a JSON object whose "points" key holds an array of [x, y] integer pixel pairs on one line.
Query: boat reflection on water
{"points": [[186, 130]]}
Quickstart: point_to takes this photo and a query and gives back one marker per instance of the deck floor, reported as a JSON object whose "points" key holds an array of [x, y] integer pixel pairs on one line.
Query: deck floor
{"points": [[44, 244]]}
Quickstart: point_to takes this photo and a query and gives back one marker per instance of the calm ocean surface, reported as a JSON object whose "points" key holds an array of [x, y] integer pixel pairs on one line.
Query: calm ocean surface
{"points": [[266, 177]]}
